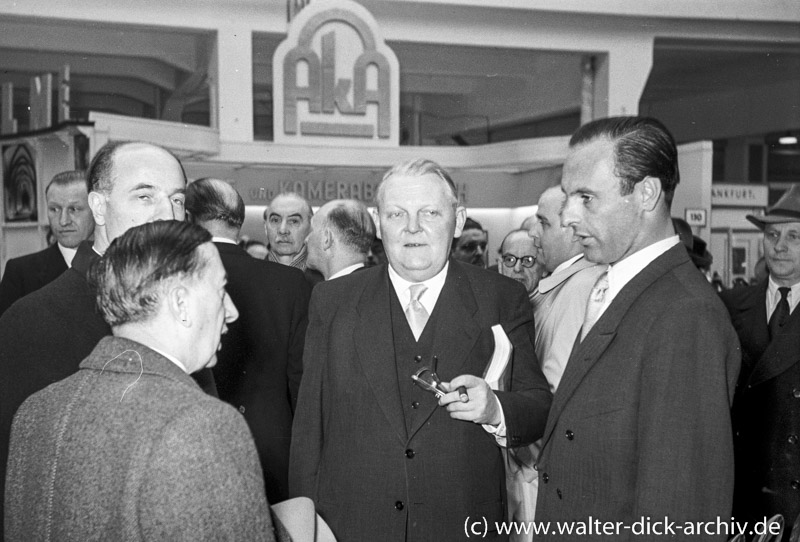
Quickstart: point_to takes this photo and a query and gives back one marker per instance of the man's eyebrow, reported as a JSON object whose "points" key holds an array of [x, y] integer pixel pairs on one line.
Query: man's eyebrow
{"points": [[143, 186]]}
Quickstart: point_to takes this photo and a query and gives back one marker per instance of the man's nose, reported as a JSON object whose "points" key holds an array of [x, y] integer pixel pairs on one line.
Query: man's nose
{"points": [[570, 215], [413, 223], [64, 218], [231, 313], [165, 210], [518, 266]]}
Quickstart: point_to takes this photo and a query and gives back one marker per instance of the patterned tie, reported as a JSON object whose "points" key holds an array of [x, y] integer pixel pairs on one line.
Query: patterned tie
{"points": [[415, 313], [780, 314], [596, 300]]}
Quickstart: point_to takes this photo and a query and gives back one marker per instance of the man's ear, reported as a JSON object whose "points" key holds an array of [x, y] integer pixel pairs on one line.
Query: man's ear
{"points": [[461, 219], [97, 203], [178, 305], [327, 239], [377, 217], [649, 192]]}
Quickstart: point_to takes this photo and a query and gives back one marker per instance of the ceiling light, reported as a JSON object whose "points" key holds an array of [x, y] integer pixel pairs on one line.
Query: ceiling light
{"points": [[787, 140]]}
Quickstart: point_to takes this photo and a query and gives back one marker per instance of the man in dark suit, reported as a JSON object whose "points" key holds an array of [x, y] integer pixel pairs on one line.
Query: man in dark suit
{"points": [[383, 458], [342, 233], [129, 447], [261, 360], [766, 410], [70, 222], [45, 335], [640, 424]]}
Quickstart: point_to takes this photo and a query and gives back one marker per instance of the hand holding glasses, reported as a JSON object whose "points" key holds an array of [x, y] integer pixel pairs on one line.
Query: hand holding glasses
{"points": [[427, 379]]}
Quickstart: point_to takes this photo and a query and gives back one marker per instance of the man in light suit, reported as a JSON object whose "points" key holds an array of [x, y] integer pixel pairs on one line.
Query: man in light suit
{"points": [[766, 411], [70, 222], [342, 232], [383, 458], [640, 425], [559, 306], [261, 361], [129, 447]]}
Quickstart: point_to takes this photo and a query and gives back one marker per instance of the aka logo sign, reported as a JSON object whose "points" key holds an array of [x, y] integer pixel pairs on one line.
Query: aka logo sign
{"points": [[335, 80]]}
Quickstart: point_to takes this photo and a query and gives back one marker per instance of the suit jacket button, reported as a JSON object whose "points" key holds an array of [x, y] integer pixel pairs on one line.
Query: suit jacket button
{"points": [[241, 409], [545, 477], [417, 358], [410, 453], [536, 466], [569, 434], [795, 484], [399, 505], [792, 439], [415, 404], [796, 393]]}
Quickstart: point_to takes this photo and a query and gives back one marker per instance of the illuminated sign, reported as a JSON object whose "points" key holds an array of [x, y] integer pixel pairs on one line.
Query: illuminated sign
{"points": [[335, 81]]}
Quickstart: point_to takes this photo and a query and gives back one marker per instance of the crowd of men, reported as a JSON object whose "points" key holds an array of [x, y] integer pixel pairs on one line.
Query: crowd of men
{"points": [[159, 382]]}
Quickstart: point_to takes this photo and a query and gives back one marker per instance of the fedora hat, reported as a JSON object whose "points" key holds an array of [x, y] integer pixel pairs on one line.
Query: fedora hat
{"points": [[786, 209]]}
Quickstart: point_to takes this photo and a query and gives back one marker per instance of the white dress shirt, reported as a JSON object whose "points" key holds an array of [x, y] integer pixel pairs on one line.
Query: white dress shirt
{"points": [[68, 254], [774, 296]]}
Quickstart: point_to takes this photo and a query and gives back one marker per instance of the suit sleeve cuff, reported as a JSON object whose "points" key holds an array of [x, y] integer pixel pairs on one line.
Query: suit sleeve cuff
{"points": [[499, 430]]}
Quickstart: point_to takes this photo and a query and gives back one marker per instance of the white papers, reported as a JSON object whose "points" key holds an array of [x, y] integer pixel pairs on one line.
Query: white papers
{"points": [[500, 358]]}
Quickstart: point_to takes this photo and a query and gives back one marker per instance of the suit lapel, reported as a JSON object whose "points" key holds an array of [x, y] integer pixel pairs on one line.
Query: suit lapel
{"points": [[585, 354], [54, 265], [455, 332], [783, 351], [375, 348]]}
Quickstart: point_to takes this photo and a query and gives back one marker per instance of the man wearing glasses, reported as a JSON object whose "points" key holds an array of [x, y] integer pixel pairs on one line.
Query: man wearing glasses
{"points": [[518, 260]]}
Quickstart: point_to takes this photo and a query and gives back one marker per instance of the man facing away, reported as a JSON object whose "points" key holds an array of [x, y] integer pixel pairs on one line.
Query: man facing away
{"points": [[559, 308], [640, 425], [129, 447], [766, 415], [45, 335], [261, 360], [70, 222], [287, 221], [383, 458], [342, 232]]}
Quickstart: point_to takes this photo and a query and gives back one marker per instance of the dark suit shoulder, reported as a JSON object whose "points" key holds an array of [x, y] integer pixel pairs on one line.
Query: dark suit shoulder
{"points": [[36, 258], [741, 298]]}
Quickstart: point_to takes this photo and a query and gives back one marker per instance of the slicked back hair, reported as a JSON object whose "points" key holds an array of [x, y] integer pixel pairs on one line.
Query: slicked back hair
{"points": [[66, 178], [100, 175], [210, 199], [643, 147], [351, 221], [417, 167], [142, 264]]}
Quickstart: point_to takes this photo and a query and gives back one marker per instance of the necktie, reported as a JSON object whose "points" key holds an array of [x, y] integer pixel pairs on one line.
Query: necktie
{"points": [[780, 314], [596, 300], [416, 314]]}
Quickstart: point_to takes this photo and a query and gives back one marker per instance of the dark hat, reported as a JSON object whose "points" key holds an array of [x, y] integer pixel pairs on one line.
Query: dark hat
{"points": [[786, 209], [699, 254]]}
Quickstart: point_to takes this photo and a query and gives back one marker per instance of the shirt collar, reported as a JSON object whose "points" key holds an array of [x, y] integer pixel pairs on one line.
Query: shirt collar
{"points": [[429, 297], [216, 239], [622, 272], [346, 271], [774, 296], [170, 357], [566, 264], [67, 253], [299, 261]]}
